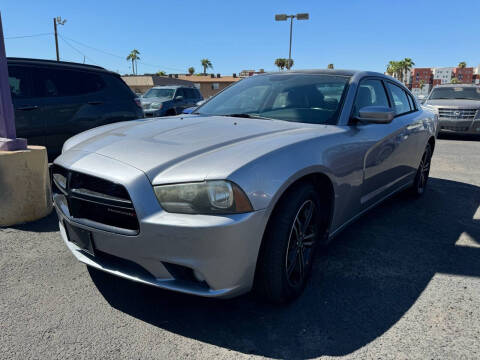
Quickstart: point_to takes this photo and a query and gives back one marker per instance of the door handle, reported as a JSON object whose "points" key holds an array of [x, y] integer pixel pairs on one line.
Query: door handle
{"points": [[27, 107], [95, 102]]}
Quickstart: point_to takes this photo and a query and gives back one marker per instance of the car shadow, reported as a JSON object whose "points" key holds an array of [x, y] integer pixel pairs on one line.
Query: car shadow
{"points": [[372, 273], [461, 137]]}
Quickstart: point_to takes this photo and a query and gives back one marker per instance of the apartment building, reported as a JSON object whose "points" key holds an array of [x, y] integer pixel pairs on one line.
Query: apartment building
{"points": [[421, 76], [464, 75], [443, 74]]}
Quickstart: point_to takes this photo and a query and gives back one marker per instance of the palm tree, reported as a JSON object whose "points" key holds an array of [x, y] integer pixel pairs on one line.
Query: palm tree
{"points": [[462, 65], [288, 63], [207, 64], [330, 66], [161, 73], [133, 56], [394, 68], [280, 63], [191, 70], [407, 65]]}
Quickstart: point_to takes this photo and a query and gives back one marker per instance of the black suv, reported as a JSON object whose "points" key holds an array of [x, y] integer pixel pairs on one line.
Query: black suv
{"points": [[55, 100]]}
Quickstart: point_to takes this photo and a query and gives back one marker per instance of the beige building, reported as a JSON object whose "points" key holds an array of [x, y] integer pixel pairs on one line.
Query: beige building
{"points": [[210, 85], [141, 83]]}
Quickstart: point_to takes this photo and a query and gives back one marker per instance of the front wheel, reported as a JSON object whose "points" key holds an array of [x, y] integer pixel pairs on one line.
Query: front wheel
{"points": [[294, 232], [421, 178]]}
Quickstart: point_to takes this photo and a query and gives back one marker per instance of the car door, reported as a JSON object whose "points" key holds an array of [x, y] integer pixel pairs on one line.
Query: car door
{"points": [[180, 101], [29, 123], [385, 162], [64, 100]]}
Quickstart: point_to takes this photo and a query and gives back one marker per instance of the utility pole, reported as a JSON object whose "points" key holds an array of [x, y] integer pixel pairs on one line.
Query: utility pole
{"points": [[58, 20]]}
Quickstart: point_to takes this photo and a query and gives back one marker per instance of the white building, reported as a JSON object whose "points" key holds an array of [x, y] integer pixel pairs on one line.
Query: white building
{"points": [[476, 71], [443, 74]]}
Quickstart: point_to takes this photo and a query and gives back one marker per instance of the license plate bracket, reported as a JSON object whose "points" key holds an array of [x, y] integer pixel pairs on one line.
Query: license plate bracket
{"points": [[80, 237]]}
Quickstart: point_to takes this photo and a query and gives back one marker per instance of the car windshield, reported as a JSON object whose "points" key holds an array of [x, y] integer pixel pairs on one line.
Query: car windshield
{"points": [[306, 98], [159, 93], [469, 93]]}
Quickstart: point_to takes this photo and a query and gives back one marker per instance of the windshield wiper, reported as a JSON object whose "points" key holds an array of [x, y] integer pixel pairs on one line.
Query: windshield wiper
{"points": [[249, 116]]}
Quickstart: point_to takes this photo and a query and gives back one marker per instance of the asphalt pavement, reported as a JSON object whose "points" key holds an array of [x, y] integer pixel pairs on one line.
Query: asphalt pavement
{"points": [[402, 282]]}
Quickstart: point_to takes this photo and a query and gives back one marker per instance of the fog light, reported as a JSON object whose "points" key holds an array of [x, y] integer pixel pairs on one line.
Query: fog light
{"points": [[198, 276]]}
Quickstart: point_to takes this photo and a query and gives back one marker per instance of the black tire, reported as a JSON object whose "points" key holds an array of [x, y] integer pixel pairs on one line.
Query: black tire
{"points": [[276, 280], [421, 178]]}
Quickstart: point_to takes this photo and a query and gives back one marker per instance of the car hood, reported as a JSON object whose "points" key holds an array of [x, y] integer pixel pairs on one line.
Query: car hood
{"points": [[154, 100], [454, 103], [192, 147]]}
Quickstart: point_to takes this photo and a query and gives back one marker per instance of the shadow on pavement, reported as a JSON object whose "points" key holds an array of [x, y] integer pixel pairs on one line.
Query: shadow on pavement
{"points": [[462, 137], [47, 224], [373, 273]]}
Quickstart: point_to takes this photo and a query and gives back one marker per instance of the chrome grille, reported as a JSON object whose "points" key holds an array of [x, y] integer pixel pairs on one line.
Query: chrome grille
{"points": [[457, 114], [95, 199]]}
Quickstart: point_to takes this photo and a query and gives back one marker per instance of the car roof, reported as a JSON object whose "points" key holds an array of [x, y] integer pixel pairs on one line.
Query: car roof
{"points": [[30, 61]]}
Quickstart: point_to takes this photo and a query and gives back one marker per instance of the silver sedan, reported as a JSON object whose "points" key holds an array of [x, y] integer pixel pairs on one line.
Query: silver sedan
{"points": [[240, 193]]}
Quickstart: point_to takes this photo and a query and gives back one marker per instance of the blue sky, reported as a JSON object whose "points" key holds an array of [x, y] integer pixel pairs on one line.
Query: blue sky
{"points": [[173, 35]]}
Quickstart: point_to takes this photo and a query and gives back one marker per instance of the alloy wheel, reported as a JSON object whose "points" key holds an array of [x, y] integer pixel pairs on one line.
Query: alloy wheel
{"points": [[300, 243]]}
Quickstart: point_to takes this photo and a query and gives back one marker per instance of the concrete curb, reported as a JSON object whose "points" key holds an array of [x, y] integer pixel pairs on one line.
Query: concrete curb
{"points": [[25, 193]]}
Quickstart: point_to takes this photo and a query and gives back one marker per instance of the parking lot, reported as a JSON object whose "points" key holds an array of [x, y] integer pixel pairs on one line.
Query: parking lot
{"points": [[402, 282]]}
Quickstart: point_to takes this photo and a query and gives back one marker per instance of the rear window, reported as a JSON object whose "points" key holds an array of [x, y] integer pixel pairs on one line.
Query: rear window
{"points": [[19, 79], [52, 82]]}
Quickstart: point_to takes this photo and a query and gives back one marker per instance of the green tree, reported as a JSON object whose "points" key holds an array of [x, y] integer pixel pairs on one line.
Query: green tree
{"points": [[454, 80], [407, 65], [330, 66], [462, 64], [280, 63], [191, 70], [206, 64], [421, 84], [133, 56], [288, 63], [394, 68], [161, 73]]}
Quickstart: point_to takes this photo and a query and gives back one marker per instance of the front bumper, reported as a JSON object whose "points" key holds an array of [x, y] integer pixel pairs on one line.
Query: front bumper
{"points": [[223, 249], [460, 126]]}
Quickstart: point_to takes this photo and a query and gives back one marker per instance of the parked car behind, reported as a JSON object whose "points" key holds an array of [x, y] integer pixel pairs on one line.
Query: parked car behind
{"points": [[55, 100], [241, 194], [169, 100], [458, 107]]}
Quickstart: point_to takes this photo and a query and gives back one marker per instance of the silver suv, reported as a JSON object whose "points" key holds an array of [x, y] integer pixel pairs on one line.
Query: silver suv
{"points": [[458, 107]]}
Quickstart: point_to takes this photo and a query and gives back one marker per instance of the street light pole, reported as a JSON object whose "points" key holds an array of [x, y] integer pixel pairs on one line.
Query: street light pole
{"points": [[290, 47], [284, 17]]}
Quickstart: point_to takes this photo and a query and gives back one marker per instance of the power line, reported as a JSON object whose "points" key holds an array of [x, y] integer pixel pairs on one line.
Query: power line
{"points": [[121, 57], [27, 36], [78, 51]]}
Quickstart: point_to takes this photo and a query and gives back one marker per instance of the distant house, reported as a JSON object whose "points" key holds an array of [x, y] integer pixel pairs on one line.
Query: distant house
{"points": [[209, 85], [141, 83]]}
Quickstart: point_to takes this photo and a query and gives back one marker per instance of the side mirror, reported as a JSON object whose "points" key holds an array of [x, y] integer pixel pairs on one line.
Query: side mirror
{"points": [[376, 115], [179, 98]]}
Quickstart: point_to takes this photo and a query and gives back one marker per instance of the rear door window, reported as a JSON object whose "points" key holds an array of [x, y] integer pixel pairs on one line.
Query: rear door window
{"points": [[52, 82]]}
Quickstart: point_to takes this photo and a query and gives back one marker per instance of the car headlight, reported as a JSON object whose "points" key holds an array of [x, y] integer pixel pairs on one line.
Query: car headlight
{"points": [[209, 197], [156, 106]]}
